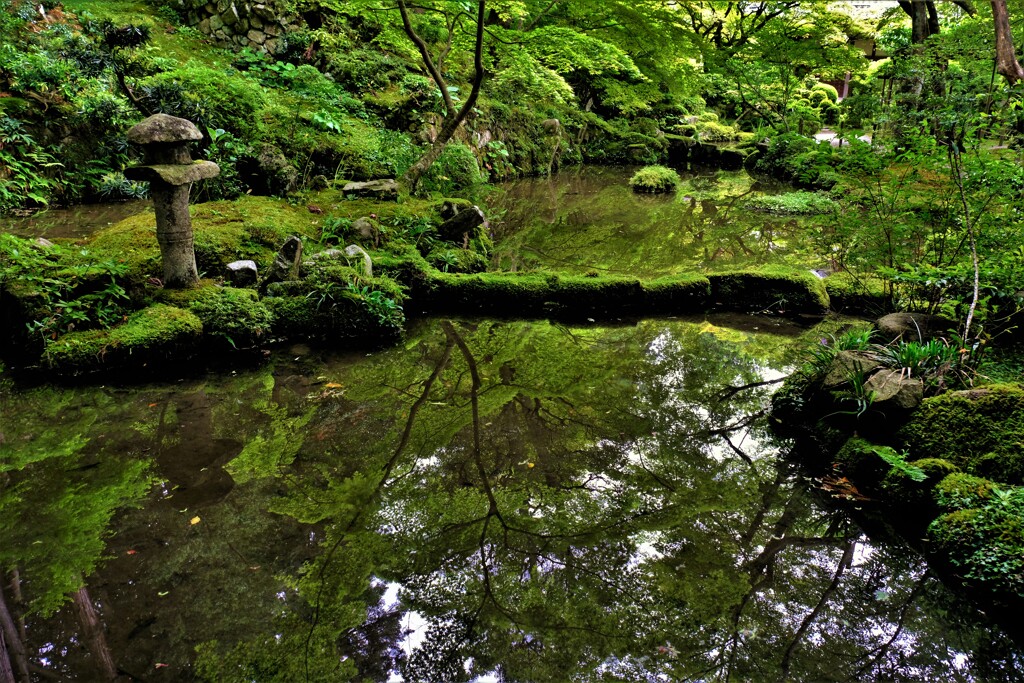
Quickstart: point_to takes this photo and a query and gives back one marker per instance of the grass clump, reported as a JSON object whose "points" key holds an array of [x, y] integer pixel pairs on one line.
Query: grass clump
{"points": [[655, 180]]}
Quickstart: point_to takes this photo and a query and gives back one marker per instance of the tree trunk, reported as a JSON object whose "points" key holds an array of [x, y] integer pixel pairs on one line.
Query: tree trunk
{"points": [[6, 672], [13, 647], [924, 19], [411, 177], [174, 234], [1006, 57], [93, 634]]}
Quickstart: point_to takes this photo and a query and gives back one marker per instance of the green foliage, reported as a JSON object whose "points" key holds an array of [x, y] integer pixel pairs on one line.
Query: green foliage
{"points": [[63, 289], [655, 180], [234, 316], [211, 98], [25, 169], [898, 461], [984, 535]]}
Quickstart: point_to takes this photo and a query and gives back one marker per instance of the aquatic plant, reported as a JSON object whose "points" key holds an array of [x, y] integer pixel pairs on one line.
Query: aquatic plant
{"points": [[655, 180]]}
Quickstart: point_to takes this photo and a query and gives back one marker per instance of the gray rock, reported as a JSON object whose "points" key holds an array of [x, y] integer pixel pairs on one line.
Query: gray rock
{"points": [[893, 389], [163, 128], [847, 364], [258, 37], [216, 23], [379, 189], [327, 255], [463, 226], [286, 263], [365, 228], [42, 242], [912, 326], [243, 273], [275, 171]]}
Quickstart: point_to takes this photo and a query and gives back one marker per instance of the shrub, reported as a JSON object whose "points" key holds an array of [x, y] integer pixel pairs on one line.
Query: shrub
{"points": [[210, 98], [655, 179]]}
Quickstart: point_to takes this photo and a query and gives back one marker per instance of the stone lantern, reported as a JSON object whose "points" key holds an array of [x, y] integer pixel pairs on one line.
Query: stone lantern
{"points": [[170, 172]]}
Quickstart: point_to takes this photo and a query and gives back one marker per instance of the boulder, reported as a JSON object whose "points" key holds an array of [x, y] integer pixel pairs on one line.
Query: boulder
{"points": [[912, 326], [242, 273], [894, 389], [286, 263], [462, 226], [378, 189], [848, 363], [366, 229]]}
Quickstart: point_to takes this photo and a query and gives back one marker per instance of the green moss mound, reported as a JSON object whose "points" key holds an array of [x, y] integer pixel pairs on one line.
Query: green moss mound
{"points": [[655, 180], [770, 290], [569, 297], [231, 318], [979, 430], [149, 336]]}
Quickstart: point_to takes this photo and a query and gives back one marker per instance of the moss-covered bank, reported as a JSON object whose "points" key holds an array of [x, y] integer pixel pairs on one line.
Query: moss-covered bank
{"points": [[947, 474]]}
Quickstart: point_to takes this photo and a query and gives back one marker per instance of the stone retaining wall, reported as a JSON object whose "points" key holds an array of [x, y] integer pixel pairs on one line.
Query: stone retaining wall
{"points": [[233, 23]]}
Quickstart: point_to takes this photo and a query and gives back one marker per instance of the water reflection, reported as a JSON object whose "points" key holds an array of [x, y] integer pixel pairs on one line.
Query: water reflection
{"points": [[588, 219], [493, 501]]}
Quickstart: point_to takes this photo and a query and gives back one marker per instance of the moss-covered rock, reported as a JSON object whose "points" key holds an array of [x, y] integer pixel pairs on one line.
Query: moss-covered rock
{"points": [[231, 318], [973, 429], [860, 295], [150, 336], [570, 297], [769, 290], [450, 259]]}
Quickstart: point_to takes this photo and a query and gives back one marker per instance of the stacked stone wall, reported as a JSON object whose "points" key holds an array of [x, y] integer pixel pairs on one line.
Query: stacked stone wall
{"points": [[233, 23]]}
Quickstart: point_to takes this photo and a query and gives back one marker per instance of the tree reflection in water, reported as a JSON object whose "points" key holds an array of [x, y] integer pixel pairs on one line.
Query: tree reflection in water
{"points": [[531, 503]]}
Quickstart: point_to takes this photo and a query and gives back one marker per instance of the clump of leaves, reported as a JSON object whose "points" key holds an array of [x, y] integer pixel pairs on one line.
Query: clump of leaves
{"points": [[69, 290], [655, 180], [898, 461]]}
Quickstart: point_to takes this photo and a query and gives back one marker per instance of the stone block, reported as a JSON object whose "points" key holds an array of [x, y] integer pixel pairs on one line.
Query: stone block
{"points": [[258, 37], [242, 273]]}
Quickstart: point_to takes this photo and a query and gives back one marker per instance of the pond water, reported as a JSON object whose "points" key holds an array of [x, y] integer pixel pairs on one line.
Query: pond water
{"points": [[74, 222], [489, 501], [589, 220]]}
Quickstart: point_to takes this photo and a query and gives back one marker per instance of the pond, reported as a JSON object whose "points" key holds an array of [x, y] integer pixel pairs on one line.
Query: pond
{"points": [[589, 220], [489, 501]]}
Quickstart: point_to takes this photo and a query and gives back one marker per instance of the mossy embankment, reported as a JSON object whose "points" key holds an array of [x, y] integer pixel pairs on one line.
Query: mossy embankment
{"points": [[946, 472], [95, 306]]}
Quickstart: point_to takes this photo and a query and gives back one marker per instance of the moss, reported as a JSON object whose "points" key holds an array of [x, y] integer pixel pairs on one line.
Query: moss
{"points": [[231, 317], [340, 318], [771, 290], [859, 462], [655, 180], [151, 335], [959, 491], [972, 429], [846, 292], [916, 496], [223, 231], [508, 294], [454, 260], [337, 302]]}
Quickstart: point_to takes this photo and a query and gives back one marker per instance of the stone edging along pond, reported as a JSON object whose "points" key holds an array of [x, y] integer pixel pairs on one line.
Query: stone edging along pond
{"points": [[175, 325]]}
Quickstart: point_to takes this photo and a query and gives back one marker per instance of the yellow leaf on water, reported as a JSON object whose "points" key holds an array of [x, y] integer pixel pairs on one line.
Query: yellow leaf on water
{"points": [[332, 385], [195, 520]]}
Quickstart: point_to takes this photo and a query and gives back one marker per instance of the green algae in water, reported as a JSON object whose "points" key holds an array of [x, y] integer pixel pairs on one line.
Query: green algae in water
{"points": [[542, 501], [589, 220]]}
